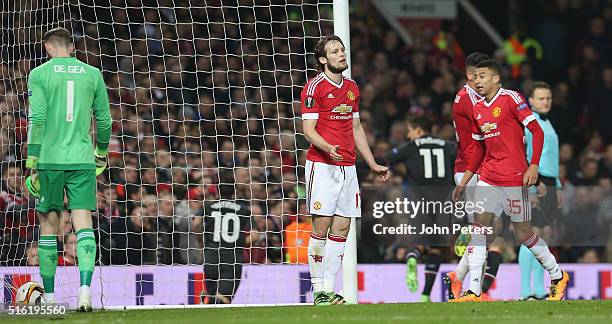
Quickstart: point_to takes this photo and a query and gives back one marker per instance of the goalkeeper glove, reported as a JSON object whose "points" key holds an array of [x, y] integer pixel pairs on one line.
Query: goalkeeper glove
{"points": [[101, 162], [33, 185], [32, 162]]}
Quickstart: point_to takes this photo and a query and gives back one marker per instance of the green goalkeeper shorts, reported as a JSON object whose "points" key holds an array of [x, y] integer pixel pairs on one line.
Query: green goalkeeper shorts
{"points": [[78, 185]]}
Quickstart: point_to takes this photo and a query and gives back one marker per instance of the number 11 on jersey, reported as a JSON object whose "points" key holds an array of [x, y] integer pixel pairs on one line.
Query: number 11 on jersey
{"points": [[438, 153]]}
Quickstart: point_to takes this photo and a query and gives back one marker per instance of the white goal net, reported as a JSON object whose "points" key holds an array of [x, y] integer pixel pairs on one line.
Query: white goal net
{"points": [[205, 104]]}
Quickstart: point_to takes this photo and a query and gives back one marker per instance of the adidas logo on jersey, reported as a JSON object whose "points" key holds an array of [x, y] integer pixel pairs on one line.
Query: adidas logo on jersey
{"points": [[330, 96], [478, 117]]}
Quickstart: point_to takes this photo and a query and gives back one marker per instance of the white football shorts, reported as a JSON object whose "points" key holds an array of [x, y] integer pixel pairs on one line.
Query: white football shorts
{"points": [[514, 201], [469, 191], [332, 190]]}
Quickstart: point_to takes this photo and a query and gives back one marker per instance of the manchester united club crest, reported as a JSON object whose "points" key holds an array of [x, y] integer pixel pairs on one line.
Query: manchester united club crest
{"points": [[496, 112], [316, 205], [350, 95]]}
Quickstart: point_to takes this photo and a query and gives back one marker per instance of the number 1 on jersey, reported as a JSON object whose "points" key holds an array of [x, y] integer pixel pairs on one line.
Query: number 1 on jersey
{"points": [[69, 100]]}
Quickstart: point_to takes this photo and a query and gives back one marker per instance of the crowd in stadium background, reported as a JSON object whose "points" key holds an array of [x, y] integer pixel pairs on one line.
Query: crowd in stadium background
{"points": [[187, 105]]}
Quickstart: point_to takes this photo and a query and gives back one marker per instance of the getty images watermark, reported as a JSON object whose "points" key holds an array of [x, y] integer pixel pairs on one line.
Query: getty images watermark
{"points": [[427, 217]]}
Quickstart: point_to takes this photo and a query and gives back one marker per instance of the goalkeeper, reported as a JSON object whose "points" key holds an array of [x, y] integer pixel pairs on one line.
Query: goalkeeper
{"points": [[64, 93]]}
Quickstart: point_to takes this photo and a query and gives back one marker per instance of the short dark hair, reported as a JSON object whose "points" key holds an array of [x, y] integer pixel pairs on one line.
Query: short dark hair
{"points": [[227, 185], [490, 64], [538, 85], [475, 58], [421, 122], [319, 50], [59, 35]]}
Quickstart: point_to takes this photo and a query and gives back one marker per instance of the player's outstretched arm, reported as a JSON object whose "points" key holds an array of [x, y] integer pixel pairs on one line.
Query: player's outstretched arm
{"points": [[361, 143], [104, 124], [319, 142], [37, 119]]}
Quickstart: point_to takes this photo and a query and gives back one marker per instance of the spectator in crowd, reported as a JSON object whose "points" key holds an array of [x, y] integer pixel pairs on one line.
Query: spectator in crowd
{"points": [[296, 236], [168, 250], [264, 240], [186, 211], [588, 173], [133, 239], [17, 217], [583, 226], [255, 251], [68, 256], [32, 255]]}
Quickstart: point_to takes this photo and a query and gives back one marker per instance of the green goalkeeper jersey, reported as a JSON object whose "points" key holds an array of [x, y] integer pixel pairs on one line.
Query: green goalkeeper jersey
{"points": [[64, 94]]}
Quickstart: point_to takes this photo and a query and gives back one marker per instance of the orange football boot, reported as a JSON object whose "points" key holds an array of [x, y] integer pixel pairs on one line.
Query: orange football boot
{"points": [[557, 291], [453, 285], [467, 298]]}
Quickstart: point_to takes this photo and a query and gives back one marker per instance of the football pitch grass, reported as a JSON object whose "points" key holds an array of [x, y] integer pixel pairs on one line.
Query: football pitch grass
{"points": [[581, 311]]}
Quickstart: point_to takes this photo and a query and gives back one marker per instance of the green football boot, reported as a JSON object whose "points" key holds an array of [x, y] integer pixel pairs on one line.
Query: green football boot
{"points": [[321, 298], [411, 275]]}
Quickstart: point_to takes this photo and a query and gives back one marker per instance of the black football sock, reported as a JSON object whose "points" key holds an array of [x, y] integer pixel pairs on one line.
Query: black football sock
{"points": [[494, 258], [431, 271]]}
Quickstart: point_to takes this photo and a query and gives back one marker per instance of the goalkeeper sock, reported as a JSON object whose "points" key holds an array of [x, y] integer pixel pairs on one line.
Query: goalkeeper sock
{"points": [[86, 254], [525, 260], [494, 258], [316, 250], [477, 251], [334, 252], [540, 249], [431, 271], [538, 277], [462, 267], [47, 254]]}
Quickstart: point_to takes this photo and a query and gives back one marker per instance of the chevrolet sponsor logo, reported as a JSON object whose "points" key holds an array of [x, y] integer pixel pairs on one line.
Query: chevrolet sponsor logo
{"points": [[487, 127], [343, 109]]}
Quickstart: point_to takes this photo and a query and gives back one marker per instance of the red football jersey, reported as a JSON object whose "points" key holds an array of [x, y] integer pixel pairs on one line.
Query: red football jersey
{"points": [[501, 123], [463, 107], [333, 106]]}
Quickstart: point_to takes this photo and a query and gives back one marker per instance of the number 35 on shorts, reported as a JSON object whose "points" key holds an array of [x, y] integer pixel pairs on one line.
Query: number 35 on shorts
{"points": [[514, 206]]}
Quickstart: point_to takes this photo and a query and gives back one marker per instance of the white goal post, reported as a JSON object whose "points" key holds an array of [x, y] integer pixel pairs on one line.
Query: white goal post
{"points": [[349, 262]]}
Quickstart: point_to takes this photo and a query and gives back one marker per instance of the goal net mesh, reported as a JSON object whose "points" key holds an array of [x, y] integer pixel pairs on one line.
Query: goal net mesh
{"points": [[204, 97]]}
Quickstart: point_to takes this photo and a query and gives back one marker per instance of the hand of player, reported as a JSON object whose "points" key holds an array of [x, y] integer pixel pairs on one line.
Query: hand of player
{"points": [[458, 193], [101, 162], [32, 163], [32, 183], [560, 201], [542, 190], [382, 171], [531, 175], [333, 152]]}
